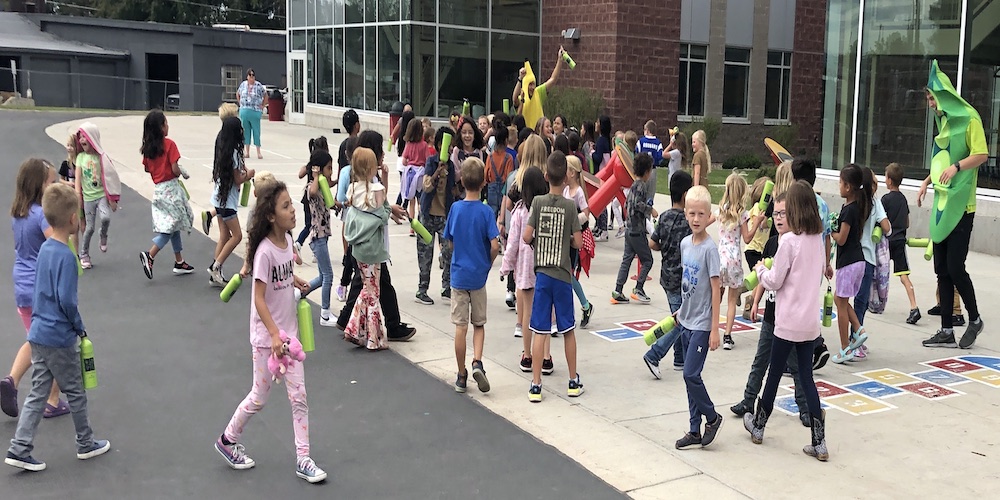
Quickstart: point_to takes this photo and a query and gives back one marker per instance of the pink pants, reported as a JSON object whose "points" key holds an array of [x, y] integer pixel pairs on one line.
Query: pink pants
{"points": [[295, 385], [25, 314]]}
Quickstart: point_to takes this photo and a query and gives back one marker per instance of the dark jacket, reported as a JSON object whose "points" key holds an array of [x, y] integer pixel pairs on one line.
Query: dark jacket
{"points": [[428, 194]]}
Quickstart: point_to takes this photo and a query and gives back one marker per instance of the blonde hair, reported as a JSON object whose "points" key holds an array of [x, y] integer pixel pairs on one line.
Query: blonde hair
{"points": [[698, 194], [71, 150], [531, 154], [783, 178], [733, 200], [573, 164], [228, 109], [699, 136], [262, 178], [473, 173], [363, 166], [757, 190], [59, 204], [631, 139]]}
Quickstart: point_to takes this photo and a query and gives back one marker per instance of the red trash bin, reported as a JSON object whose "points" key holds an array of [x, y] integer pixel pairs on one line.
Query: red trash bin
{"points": [[275, 107]]}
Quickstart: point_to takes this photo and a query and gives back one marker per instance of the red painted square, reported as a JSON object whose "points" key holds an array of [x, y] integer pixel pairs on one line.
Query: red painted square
{"points": [[639, 325], [954, 365], [827, 390], [737, 326], [928, 390]]}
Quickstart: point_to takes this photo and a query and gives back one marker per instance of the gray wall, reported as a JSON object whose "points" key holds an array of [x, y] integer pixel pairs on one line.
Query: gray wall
{"points": [[50, 89]]}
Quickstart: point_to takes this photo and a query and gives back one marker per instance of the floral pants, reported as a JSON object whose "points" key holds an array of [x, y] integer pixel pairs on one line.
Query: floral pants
{"points": [[364, 328]]}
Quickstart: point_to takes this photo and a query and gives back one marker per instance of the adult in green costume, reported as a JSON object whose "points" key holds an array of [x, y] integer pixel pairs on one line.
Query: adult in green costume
{"points": [[956, 154]]}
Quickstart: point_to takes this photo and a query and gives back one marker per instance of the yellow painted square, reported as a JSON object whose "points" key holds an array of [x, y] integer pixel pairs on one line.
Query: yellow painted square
{"points": [[988, 377], [856, 404], [890, 377]]}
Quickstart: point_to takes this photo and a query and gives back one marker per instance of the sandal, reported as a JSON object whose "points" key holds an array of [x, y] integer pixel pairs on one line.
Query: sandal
{"points": [[60, 409]]}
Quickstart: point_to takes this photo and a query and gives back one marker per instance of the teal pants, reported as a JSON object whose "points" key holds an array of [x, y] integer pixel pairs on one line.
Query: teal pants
{"points": [[251, 125]]}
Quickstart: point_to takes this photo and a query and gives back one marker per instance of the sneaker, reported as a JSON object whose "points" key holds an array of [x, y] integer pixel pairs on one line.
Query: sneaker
{"points": [[711, 431], [956, 320], [690, 440], [86, 264], [206, 222], [525, 363], [97, 448], [412, 234], [328, 321], [308, 470], [843, 356], [621, 233], [104, 244], [509, 299], [935, 311], [216, 278], [8, 397], [820, 356], [401, 333], [941, 339], [727, 342], [147, 264], [741, 408], [518, 332], [913, 317], [603, 236], [446, 293], [859, 354], [462, 381], [971, 333], [184, 268], [575, 387], [640, 296], [341, 293], [479, 374], [618, 298], [678, 367], [654, 368], [422, 298], [548, 367], [27, 463], [535, 393], [235, 454], [587, 313]]}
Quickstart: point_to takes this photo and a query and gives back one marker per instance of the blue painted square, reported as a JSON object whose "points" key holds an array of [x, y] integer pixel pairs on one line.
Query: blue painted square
{"points": [[787, 405], [618, 334], [987, 361], [941, 377], [874, 389]]}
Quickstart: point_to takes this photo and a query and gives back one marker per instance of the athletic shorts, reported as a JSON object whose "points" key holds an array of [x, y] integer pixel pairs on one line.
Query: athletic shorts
{"points": [[226, 214], [551, 293], [849, 279], [464, 302], [897, 253]]}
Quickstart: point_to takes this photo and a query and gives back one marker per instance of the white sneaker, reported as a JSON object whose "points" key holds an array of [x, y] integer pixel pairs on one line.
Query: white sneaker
{"points": [[518, 332], [216, 278], [620, 233], [328, 321], [308, 470]]}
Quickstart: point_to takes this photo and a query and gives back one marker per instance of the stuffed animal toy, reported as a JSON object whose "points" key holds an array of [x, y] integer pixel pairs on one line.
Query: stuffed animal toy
{"points": [[278, 366]]}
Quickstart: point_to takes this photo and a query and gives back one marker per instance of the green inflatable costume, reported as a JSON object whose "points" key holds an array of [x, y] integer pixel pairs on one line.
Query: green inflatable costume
{"points": [[950, 145]]}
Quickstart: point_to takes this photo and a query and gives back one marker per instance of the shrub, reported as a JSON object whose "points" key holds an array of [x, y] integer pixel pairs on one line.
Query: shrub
{"points": [[768, 171], [787, 136], [710, 125], [743, 161], [576, 104]]}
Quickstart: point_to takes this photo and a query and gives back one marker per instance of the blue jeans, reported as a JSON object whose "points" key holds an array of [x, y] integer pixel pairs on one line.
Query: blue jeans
{"points": [[861, 299], [322, 252], [762, 360], [161, 239], [659, 349], [695, 352]]}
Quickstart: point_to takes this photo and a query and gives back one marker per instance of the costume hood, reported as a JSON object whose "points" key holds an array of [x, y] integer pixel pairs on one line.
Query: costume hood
{"points": [[112, 185]]}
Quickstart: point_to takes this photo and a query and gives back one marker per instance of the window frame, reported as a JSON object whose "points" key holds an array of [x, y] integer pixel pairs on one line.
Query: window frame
{"points": [[686, 59], [230, 84], [745, 117], [784, 68]]}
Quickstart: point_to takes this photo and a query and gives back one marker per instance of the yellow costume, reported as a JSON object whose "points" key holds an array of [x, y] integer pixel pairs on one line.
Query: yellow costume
{"points": [[531, 107]]}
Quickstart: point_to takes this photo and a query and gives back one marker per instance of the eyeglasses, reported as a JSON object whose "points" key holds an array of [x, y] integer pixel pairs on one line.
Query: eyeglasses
{"points": [[780, 214]]}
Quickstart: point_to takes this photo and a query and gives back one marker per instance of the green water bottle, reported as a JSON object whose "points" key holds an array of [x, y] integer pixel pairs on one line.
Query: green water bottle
{"points": [[506, 106], [569, 60], [421, 230], [466, 107], [876, 234], [658, 330], [324, 189], [245, 194], [87, 362], [765, 198], [306, 326], [750, 282], [231, 287], [79, 266], [828, 306]]}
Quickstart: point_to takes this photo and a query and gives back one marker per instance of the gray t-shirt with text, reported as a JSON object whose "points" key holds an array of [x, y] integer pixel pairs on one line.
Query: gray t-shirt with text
{"points": [[701, 264], [555, 222]]}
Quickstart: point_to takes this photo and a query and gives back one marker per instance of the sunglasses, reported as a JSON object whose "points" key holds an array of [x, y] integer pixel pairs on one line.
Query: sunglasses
{"points": [[251, 74]]}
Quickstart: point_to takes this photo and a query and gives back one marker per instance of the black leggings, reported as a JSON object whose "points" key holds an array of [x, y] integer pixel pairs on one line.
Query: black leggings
{"points": [[349, 265], [779, 358], [949, 265], [305, 230]]}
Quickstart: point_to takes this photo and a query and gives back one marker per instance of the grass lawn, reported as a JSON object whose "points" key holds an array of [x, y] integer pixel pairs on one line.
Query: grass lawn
{"points": [[716, 182]]}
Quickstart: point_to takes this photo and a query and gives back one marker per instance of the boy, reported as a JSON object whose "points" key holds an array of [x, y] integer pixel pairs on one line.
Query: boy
{"points": [[805, 170], [435, 204], [762, 359], [672, 228], [698, 317], [638, 207], [558, 228], [472, 230], [652, 146], [897, 210], [55, 327]]}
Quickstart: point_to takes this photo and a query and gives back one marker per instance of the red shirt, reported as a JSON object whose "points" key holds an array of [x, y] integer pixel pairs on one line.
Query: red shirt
{"points": [[161, 168]]}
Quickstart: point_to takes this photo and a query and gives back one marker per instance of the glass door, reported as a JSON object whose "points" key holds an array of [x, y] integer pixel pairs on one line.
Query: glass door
{"points": [[297, 91]]}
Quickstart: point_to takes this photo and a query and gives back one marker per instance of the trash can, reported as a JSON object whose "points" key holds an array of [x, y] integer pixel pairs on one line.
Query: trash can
{"points": [[395, 112], [275, 107]]}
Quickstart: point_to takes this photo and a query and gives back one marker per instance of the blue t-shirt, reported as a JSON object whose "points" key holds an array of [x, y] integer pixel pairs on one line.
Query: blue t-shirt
{"points": [[700, 263], [55, 319], [471, 227], [652, 147], [342, 183], [232, 200], [29, 234]]}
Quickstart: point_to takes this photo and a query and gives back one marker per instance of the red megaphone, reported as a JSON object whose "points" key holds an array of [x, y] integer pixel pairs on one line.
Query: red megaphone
{"points": [[610, 182]]}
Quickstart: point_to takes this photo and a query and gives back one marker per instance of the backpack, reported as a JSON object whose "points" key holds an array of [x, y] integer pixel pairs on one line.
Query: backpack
{"points": [[880, 281], [496, 189]]}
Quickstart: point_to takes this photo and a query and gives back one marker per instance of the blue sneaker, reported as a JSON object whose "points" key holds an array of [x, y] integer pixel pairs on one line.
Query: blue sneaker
{"points": [[235, 454], [308, 470], [461, 382], [26, 463], [97, 448]]}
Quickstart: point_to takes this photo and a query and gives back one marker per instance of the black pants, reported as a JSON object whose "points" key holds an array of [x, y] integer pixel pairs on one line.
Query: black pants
{"points": [[387, 298], [753, 257], [349, 265], [305, 231], [780, 350], [949, 265]]}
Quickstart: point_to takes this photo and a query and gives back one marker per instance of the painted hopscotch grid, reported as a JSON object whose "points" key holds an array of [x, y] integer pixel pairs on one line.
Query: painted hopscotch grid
{"points": [[617, 334], [975, 372], [984, 361], [941, 377], [639, 325], [787, 405], [875, 389], [929, 390]]}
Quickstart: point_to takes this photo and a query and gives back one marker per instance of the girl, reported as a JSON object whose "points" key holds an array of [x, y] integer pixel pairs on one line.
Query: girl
{"points": [[365, 231], [344, 180], [414, 157], [734, 232], [587, 143], [483, 122], [850, 259], [519, 257], [559, 125], [30, 231], [171, 212], [575, 192], [272, 313], [318, 144], [678, 151], [320, 163], [701, 163], [798, 270], [472, 145], [544, 129], [876, 217], [399, 139], [228, 173], [601, 156], [97, 185], [755, 247]]}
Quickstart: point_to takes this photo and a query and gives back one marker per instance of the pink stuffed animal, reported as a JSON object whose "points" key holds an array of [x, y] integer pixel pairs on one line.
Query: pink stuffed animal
{"points": [[278, 366]]}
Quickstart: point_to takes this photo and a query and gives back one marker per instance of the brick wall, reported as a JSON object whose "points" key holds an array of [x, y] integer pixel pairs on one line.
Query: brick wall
{"points": [[808, 62]]}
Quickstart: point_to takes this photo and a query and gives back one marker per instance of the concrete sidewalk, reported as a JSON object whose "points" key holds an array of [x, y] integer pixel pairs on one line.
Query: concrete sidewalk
{"points": [[896, 421]]}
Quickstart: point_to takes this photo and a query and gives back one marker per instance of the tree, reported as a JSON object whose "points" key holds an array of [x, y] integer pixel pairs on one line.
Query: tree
{"points": [[269, 14]]}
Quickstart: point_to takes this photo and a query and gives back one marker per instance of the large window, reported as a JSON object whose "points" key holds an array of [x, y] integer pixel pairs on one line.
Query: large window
{"points": [[324, 66], [691, 87], [463, 69], [778, 86], [473, 13], [423, 52], [371, 80], [388, 66], [354, 68], [736, 83], [232, 77], [388, 10], [508, 59]]}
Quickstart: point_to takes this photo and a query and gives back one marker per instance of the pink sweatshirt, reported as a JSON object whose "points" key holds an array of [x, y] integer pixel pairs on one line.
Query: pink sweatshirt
{"points": [[519, 256], [796, 277]]}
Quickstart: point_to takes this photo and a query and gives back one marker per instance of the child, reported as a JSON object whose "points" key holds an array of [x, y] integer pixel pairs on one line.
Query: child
{"points": [[305, 171], [519, 257], [471, 144], [97, 185], [435, 206], [576, 193], [763, 356], [652, 146], [760, 229], [670, 231], [228, 173], [429, 139], [850, 259], [171, 212], [698, 317], [499, 165], [226, 110], [639, 207], [472, 231], [559, 229], [897, 210], [701, 161], [67, 170], [679, 154], [365, 231], [273, 312], [734, 231], [343, 181], [876, 217], [414, 157], [797, 271], [55, 326], [484, 124], [321, 163], [30, 232]]}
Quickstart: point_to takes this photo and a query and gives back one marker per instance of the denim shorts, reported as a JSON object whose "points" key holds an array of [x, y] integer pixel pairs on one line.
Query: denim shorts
{"points": [[849, 279], [226, 214]]}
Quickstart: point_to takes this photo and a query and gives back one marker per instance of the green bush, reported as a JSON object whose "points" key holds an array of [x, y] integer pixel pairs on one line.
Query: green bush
{"points": [[711, 126], [743, 161], [786, 135], [576, 104], [768, 171]]}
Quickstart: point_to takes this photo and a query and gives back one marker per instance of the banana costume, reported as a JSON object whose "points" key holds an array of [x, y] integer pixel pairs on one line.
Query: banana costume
{"points": [[531, 107]]}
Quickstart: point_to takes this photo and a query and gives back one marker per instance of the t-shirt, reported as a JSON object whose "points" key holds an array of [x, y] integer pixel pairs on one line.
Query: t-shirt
{"points": [[850, 252], [273, 268], [66, 171], [701, 264], [675, 164], [29, 234], [92, 180], [579, 197], [651, 146], [975, 138], [867, 245], [498, 166], [672, 228], [897, 210], [319, 215], [770, 250], [232, 199], [55, 317], [533, 108], [637, 208], [701, 160], [763, 230], [471, 227], [161, 168], [555, 222]]}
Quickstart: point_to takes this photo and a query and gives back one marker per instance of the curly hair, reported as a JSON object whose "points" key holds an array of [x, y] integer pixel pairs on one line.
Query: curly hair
{"points": [[260, 224]]}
